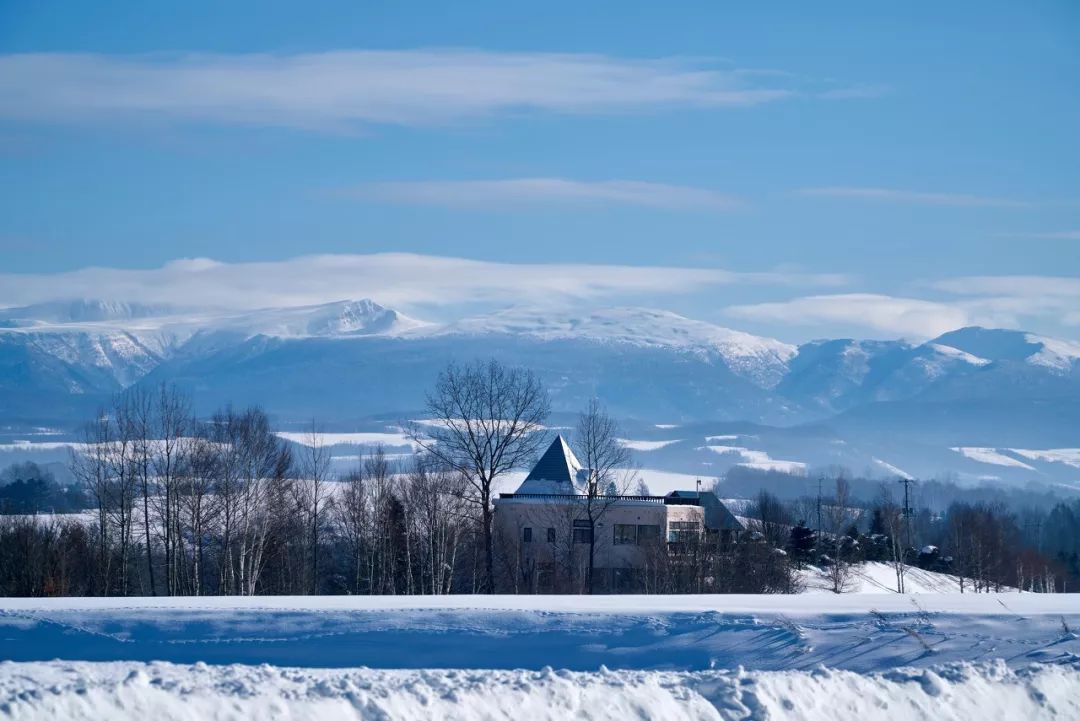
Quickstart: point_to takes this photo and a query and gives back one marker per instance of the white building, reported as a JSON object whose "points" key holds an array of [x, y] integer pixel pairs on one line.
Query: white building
{"points": [[544, 530]]}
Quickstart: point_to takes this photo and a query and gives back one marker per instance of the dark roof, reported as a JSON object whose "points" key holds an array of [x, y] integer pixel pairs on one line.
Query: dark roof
{"points": [[557, 464], [717, 515]]}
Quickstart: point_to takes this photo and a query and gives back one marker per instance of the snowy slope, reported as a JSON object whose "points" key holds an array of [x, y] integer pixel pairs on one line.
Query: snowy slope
{"points": [[1014, 346], [762, 360], [345, 318], [876, 577], [341, 318], [1054, 353], [125, 357], [80, 311], [838, 374]]}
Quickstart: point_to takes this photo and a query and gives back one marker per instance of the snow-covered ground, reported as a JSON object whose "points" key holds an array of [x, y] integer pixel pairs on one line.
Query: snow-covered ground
{"points": [[861, 632], [163, 692], [391, 439], [991, 456], [812, 656], [874, 577], [759, 459], [644, 445]]}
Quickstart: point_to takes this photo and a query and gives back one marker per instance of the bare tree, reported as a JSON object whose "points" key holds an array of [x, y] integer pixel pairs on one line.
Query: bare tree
{"points": [[772, 518], [437, 519], [485, 419], [312, 494], [253, 465], [265, 467], [387, 526], [91, 466], [894, 519], [140, 426], [122, 457], [173, 420], [353, 521], [608, 474], [197, 507], [566, 544], [838, 514]]}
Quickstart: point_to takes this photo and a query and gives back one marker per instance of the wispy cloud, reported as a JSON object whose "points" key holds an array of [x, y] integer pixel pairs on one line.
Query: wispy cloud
{"points": [[343, 89], [1028, 286], [914, 197], [544, 191], [907, 317], [402, 280]]}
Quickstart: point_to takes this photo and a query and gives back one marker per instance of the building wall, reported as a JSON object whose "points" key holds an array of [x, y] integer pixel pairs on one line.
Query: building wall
{"points": [[531, 561]]}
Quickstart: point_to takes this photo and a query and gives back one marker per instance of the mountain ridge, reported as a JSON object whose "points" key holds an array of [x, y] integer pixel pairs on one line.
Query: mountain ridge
{"points": [[349, 358]]}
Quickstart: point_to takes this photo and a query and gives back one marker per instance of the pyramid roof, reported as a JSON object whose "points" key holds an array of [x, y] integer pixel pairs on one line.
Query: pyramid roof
{"points": [[555, 472]]}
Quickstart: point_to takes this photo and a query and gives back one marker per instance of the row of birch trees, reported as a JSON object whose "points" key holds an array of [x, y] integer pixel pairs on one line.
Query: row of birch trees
{"points": [[223, 505]]}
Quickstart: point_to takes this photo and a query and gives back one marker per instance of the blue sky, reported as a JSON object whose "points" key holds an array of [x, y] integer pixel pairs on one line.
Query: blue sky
{"points": [[851, 170]]}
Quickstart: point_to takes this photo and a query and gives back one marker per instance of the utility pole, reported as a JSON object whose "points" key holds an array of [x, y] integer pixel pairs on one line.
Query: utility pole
{"points": [[820, 480], [907, 511]]}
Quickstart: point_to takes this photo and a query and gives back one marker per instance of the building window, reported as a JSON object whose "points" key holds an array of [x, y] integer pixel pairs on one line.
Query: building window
{"points": [[551, 535], [647, 534], [526, 535], [682, 531], [625, 534], [582, 531]]}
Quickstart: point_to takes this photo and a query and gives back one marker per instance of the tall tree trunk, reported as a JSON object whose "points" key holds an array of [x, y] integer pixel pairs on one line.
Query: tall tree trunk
{"points": [[489, 553], [146, 523]]}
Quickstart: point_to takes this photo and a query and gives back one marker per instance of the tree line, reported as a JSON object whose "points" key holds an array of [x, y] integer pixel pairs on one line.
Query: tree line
{"points": [[183, 505], [985, 546]]}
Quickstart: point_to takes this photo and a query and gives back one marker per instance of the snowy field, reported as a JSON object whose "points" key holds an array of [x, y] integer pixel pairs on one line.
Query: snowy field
{"points": [[812, 656]]}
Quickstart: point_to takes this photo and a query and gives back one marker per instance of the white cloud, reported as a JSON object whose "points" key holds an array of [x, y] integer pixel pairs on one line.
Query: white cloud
{"points": [[400, 280], [914, 197], [543, 191], [989, 301], [343, 89], [1023, 286], [908, 317], [1012, 300]]}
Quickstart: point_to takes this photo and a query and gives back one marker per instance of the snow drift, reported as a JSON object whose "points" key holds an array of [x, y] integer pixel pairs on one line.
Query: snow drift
{"points": [[163, 692], [858, 632]]}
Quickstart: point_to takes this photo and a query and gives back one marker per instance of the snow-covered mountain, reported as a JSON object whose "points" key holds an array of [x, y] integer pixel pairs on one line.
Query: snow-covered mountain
{"points": [[860, 401], [836, 375], [343, 318], [760, 360], [996, 345], [126, 341], [78, 311]]}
